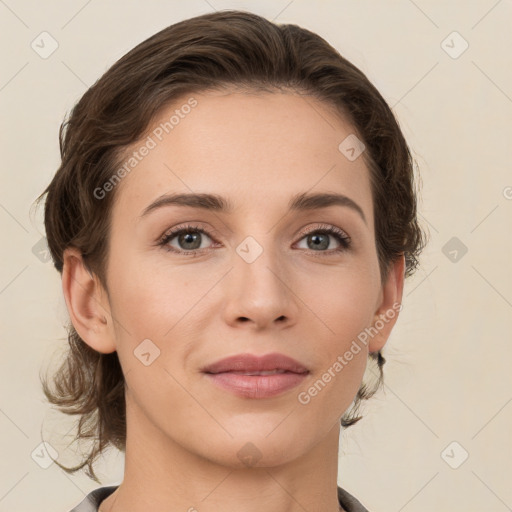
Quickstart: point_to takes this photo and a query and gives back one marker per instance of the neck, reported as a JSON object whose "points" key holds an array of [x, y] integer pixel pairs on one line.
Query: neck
{"points": [[162, 474]]}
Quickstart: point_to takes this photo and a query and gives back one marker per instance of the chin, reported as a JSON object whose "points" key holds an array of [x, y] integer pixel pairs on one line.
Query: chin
{"points": [[258, 450]]}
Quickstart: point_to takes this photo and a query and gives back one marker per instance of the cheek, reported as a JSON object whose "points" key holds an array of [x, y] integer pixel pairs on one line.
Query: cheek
{"points": [[343, 301], [162, 304], [343, 309], [151, 299]]}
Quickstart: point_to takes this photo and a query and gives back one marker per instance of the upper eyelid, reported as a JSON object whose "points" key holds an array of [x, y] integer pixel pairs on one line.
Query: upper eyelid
{"points": [[323, 227], [175, 230]]}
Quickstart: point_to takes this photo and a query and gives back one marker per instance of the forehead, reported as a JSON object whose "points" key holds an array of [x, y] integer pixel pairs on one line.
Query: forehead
{"points": [[258, 149]]}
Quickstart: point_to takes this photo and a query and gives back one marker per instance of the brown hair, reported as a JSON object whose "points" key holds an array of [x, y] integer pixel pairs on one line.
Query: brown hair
{"points": [[225, 49]]}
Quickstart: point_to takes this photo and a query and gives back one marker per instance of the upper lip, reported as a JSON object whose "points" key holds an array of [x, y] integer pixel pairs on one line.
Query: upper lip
{"points": [[253, 363]]}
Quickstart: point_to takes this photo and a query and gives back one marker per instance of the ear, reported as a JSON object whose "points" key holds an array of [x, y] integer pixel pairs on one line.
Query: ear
{"points": [[390, 299], [87, 303]]}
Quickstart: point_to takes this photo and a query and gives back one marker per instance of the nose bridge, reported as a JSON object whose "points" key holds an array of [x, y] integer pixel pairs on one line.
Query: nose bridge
{"points": [[257, 289]]}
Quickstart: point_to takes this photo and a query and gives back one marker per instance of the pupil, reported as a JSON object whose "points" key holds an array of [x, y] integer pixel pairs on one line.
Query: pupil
{"points": [[318, 243], [189, 238]]}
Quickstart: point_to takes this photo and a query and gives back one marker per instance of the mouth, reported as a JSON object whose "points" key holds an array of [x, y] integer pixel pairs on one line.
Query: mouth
{"points": [[249, 376], [262, 372], [253, 364], [259, 385]]}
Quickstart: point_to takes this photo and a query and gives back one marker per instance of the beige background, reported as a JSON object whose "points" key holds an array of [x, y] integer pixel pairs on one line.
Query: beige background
{"points": [[448, 375]]}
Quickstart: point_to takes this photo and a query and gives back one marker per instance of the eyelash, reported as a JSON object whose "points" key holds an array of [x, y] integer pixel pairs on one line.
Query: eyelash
{"points": [[344, 240]]}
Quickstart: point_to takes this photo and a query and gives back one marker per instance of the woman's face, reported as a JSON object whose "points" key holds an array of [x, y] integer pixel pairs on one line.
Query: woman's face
{"points": [[262, 278]]}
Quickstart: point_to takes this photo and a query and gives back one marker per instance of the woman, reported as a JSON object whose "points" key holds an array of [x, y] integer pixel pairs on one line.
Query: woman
{"points": [[233, 219]]}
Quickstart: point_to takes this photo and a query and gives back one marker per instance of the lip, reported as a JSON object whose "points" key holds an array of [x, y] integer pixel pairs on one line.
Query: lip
{"points": [[228, 374], [253, 363]]}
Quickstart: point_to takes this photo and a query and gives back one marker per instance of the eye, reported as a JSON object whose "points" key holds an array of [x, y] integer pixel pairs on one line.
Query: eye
{"points": [[187, 240], [318, 239]]}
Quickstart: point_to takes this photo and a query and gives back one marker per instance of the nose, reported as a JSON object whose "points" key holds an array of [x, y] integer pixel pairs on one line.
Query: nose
{"points": [[260, 294]]}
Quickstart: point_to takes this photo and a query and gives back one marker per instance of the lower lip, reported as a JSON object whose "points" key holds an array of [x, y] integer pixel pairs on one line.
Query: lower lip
{"points": [[257, 386]]}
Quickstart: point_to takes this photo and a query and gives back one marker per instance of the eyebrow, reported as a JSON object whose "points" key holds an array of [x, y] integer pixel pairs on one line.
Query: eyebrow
{"points": [[300, 202]]}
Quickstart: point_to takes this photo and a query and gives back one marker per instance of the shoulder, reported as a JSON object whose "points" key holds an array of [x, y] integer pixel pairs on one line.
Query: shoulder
{"points": [[349, 502], [92, 501]]}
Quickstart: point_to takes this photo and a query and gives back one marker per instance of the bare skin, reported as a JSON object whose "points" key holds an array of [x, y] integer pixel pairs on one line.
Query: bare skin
{"points": [[184, 434]]}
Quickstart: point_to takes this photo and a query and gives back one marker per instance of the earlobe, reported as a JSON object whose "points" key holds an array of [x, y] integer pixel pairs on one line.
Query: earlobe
{"points": [[87, 303], [387, 312]]}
